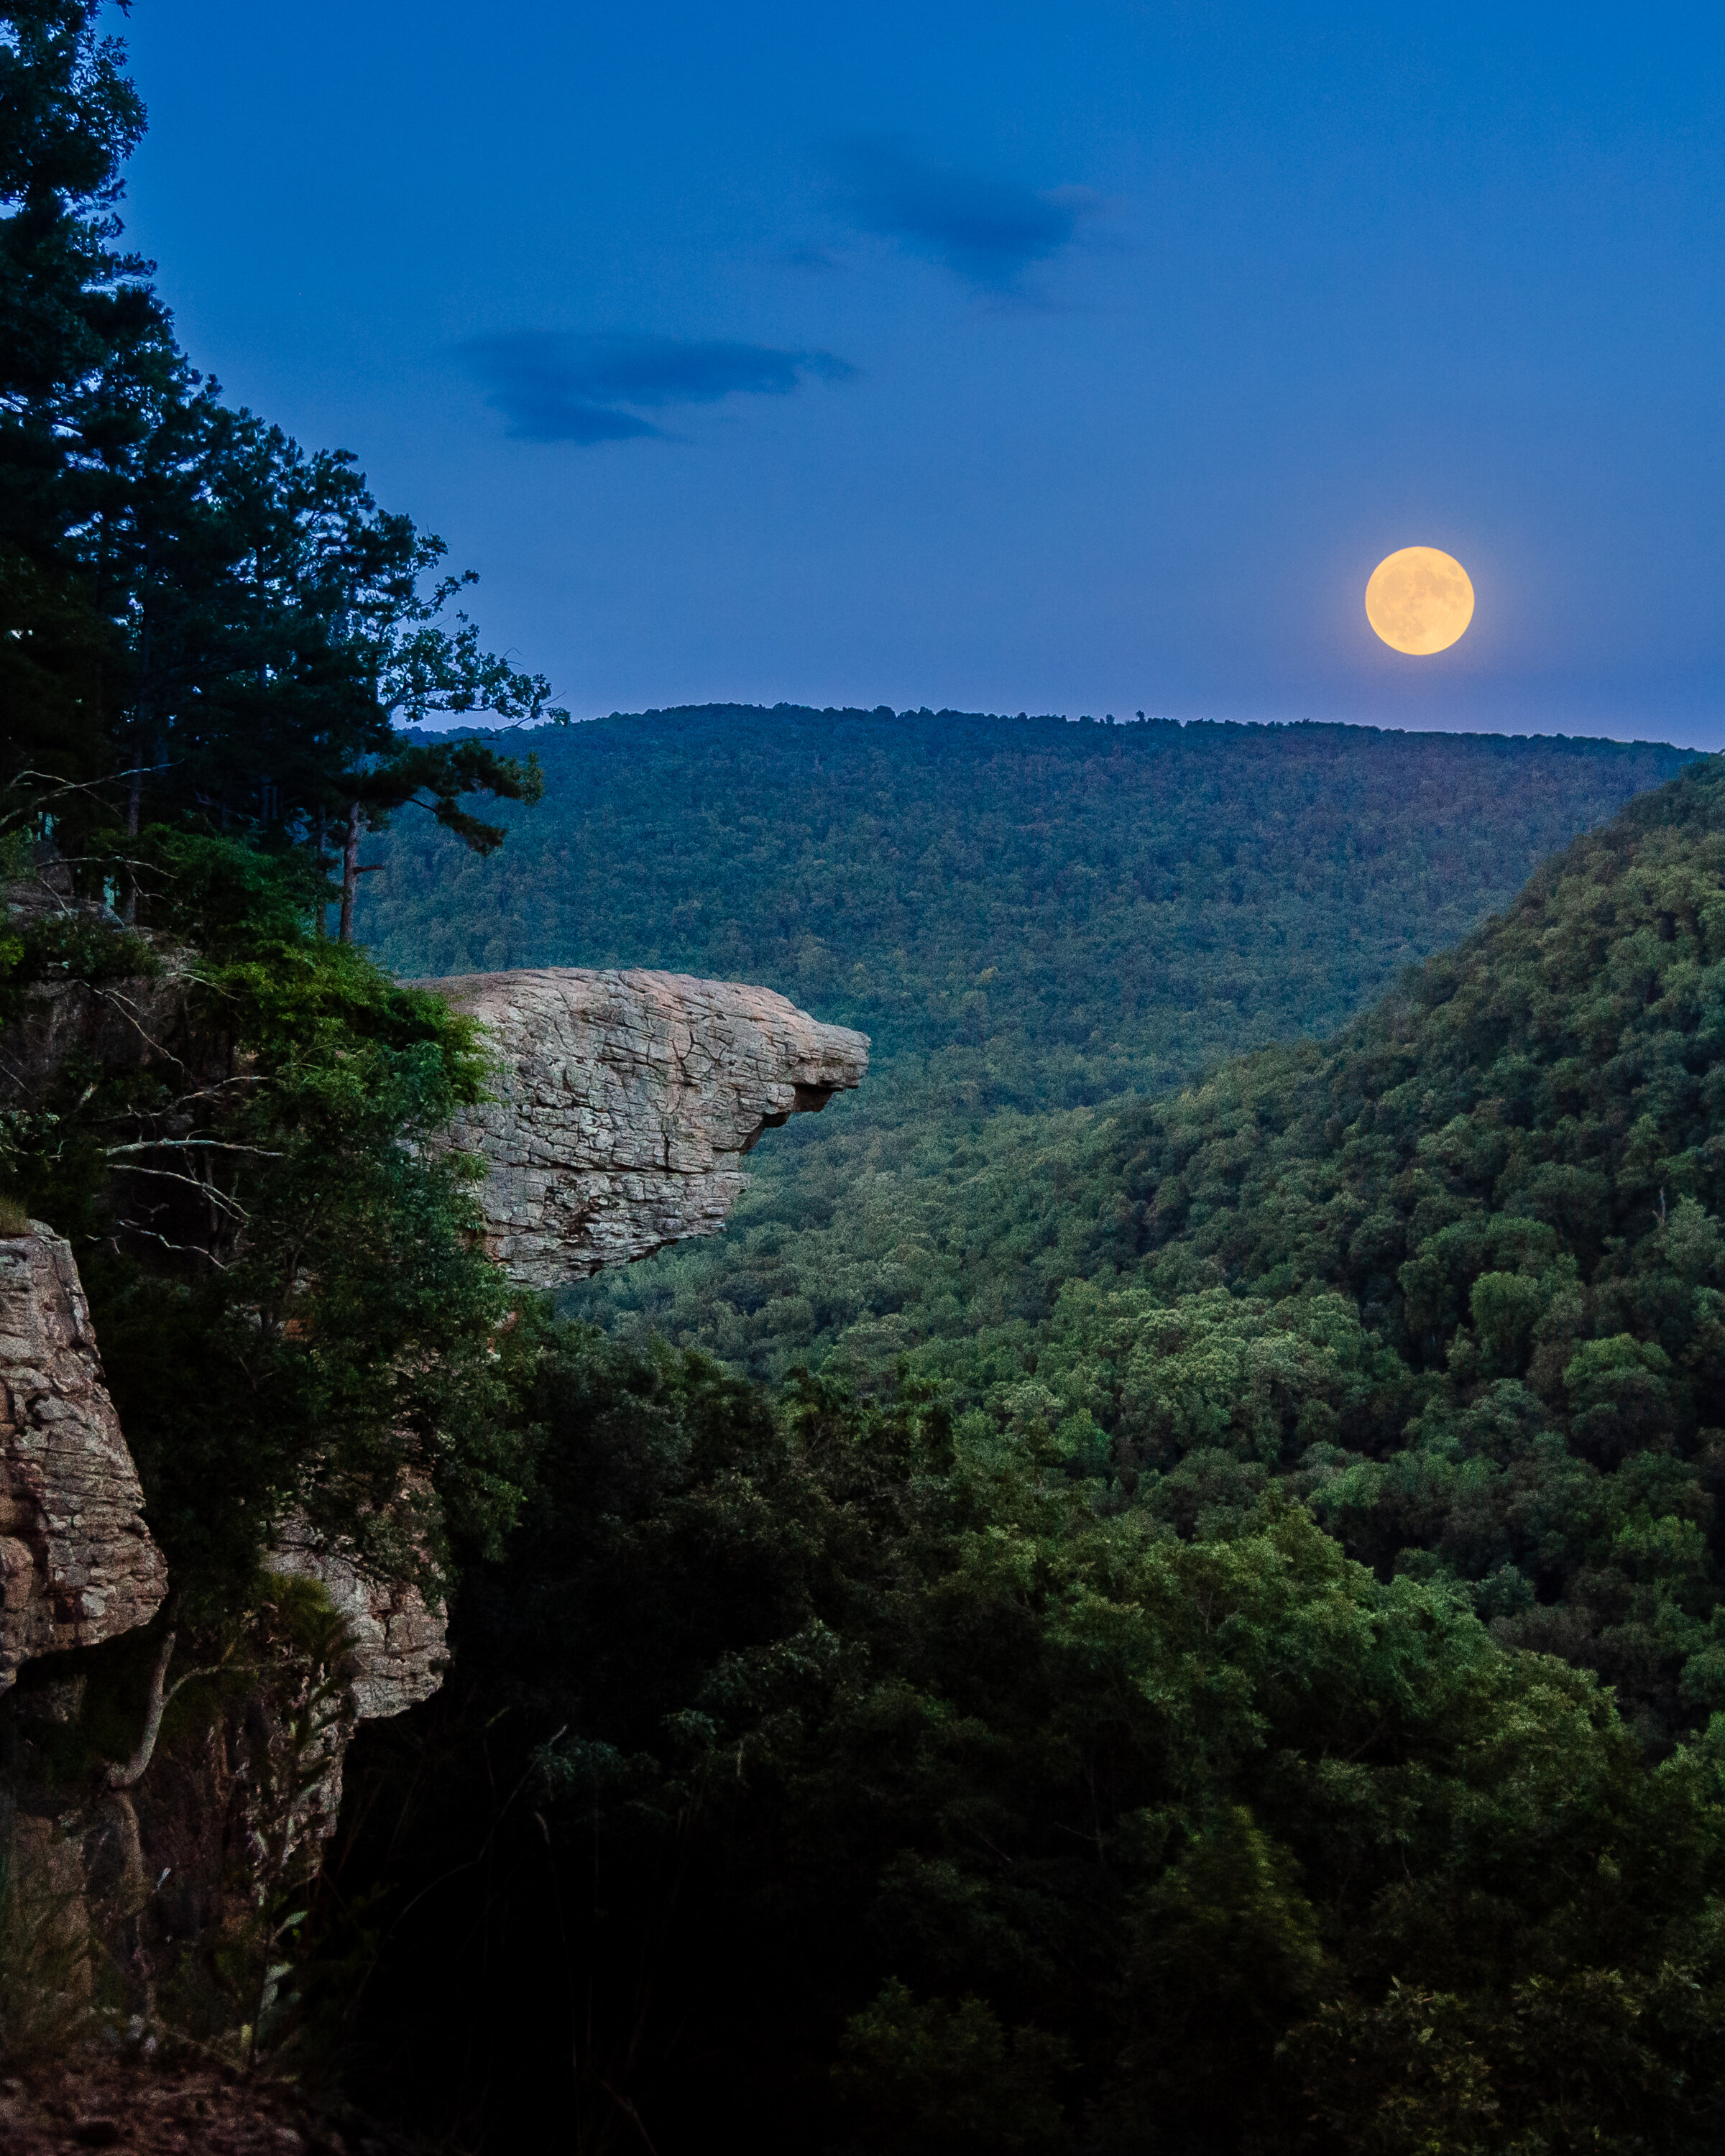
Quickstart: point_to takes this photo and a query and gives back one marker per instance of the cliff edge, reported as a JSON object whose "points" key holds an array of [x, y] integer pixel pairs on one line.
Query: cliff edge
{"points": [[624, 1101]]}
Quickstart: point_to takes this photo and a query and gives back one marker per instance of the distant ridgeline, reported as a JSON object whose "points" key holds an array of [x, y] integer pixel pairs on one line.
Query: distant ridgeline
{"points": [[1046, 913]]}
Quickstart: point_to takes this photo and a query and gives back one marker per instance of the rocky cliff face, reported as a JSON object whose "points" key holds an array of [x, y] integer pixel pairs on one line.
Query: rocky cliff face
{"points": [[397, 1637], [625, 1099], [77, 1565], [625, 1102], [126, 1022], [396, 1656]]}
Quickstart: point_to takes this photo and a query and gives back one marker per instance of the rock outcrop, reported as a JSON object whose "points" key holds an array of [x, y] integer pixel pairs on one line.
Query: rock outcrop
{"points": [[398, 1637], [77, 1565], [397, 1656], [129, 1021], [625, 1101]]}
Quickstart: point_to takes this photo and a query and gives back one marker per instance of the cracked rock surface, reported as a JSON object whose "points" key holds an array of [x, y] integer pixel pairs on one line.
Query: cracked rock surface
{"points": [[398, 1644], [398, 1637], [626, 1101], [77, 1565]]}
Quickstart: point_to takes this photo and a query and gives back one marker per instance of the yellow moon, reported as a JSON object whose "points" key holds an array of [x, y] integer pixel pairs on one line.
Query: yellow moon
{"points": [[1419, 600]]}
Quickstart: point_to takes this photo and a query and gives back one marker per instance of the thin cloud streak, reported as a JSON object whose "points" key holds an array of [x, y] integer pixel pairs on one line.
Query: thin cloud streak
{"points": [[553, 386], [988, 232]]}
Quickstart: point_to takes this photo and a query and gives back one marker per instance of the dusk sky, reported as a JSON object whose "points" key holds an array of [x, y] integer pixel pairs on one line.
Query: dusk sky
{"points": [[1083, 358]]}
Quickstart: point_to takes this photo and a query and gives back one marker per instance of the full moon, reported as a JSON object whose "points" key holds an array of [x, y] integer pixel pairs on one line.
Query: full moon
{"points": [[1419, 600]]}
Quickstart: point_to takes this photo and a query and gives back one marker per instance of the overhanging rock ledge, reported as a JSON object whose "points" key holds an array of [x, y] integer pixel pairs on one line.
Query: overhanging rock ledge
{"points": [[624, 1101]]}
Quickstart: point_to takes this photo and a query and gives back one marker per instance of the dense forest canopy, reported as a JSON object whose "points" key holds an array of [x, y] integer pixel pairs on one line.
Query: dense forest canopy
{"points": [[1043, 913], [1445, 1291], [1121, 1730], [1471, 1242]]}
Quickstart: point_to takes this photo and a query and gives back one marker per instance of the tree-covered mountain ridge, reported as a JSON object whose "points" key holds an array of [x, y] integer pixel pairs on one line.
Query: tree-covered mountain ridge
{"points": [[1037, 914], [1562, 1065], [1455, 1277]]}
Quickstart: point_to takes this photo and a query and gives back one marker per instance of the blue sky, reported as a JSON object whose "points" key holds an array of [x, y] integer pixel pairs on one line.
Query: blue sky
{"points": [[1052, 358]]}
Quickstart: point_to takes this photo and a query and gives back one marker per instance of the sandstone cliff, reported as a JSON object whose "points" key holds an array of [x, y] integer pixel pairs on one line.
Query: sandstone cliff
{"points": [[625, 1101], [76, 1560], [398, 1636]]}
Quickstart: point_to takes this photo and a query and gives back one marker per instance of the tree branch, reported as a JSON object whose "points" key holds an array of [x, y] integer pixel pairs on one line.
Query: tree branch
{"points": [[187, 1145], [127, 1775]]}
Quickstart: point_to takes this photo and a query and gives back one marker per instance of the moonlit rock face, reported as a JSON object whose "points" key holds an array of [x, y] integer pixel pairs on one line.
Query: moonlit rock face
{"points": [[1419, 600], [624, 1103]]}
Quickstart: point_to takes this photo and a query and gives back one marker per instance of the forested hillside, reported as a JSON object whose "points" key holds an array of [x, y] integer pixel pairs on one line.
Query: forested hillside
{"points": [[1023, 914], [1457, 1277], [1454, 1277], [1116, 1729], [1042, 914]]}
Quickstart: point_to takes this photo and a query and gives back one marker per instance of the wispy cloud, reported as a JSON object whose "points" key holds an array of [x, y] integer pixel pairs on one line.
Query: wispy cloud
{"points": [[988, 232], [555, 387]]}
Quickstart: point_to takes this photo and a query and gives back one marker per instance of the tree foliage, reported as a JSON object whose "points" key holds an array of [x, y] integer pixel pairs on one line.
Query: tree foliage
{"points": [[200, 623], [209, 640], [1453, 1276], [873, 1779]]}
